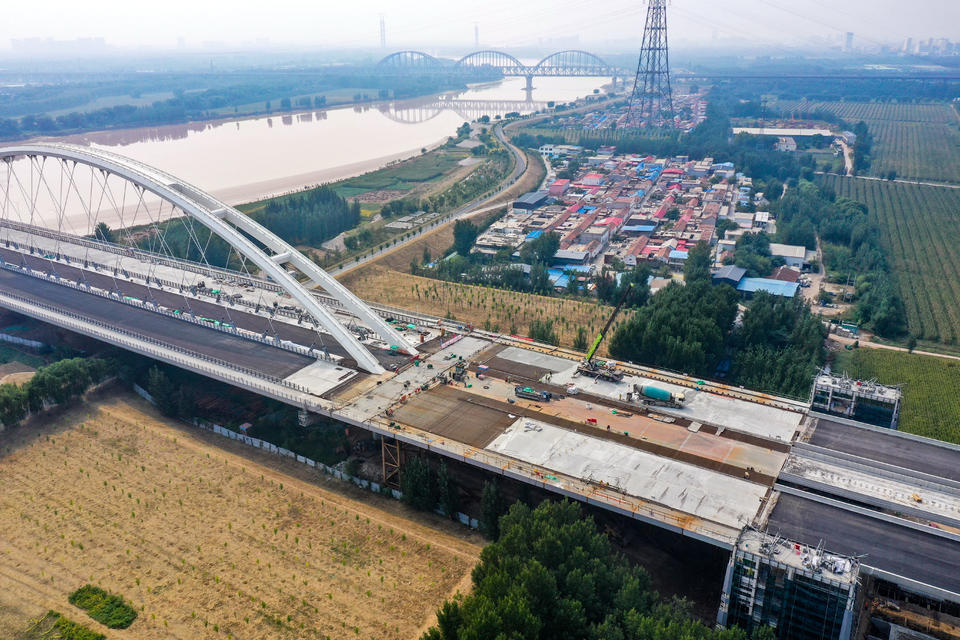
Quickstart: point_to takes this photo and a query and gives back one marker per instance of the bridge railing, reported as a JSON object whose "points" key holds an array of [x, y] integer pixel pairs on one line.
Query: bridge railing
{"points": [[159, 343], [154, 307], [141, 254]]}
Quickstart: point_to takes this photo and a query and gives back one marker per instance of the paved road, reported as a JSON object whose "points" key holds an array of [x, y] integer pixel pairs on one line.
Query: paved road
{"points": [[917, 555], [197, 338], [302, 335], [891, 448], [471, 208]]}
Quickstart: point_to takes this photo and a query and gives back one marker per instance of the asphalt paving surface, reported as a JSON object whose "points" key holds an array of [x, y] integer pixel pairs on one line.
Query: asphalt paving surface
{"points": [[302, 335], [888, 448], [197, 338], [906, 552]]}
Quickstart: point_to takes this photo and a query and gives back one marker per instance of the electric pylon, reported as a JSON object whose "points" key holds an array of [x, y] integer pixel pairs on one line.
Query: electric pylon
{"points": [[651, 104]]}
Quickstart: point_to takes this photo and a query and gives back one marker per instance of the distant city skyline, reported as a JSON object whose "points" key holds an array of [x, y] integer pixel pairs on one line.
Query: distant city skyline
{"points": [[433, 23]]}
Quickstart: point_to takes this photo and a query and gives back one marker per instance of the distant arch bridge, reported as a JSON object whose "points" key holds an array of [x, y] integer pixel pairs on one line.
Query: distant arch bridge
{"points": [[567, 63]]}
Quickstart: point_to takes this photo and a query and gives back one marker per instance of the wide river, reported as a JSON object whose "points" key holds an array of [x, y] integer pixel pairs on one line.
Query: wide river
{"points": [[240, 160]]}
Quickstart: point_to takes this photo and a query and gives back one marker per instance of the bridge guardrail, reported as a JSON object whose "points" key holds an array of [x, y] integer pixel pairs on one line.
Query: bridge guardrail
{"points": [[153, 341], [154, 307], [141, 254]]}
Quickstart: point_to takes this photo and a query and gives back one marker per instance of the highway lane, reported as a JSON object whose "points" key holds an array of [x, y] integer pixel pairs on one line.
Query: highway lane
{"points": [[206, 341], [888, 448], [916, 555], [238, 316]]}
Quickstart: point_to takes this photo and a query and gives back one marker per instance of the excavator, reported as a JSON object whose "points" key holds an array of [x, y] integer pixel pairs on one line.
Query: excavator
{"points": [[604, 370]]}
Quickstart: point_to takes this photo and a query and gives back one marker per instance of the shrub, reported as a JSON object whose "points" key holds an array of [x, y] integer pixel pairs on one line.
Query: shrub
{"points": [[104, 607], [67, 629]]}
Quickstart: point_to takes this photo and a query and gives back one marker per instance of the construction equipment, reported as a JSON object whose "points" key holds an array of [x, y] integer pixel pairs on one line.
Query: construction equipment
{"points": [[650, 395], [600, 369], [460, 371], [532, 394]]}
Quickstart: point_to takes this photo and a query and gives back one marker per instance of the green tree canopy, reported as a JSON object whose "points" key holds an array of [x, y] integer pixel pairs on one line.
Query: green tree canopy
{"points": [[464, 235], [552, 576]]}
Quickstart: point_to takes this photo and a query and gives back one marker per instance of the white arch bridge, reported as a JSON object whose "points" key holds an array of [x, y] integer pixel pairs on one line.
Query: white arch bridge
{"points": [[65, 193]]}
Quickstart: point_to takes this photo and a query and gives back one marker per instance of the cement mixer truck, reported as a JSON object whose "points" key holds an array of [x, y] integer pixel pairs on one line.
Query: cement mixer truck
{"points": [[650, 395]]}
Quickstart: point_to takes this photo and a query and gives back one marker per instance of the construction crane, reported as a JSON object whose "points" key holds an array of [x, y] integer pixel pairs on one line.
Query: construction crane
{"points": [[599, 369]]}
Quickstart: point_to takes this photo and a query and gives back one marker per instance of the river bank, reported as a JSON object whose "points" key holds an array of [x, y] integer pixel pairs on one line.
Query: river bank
{"points": [[242, 159]]}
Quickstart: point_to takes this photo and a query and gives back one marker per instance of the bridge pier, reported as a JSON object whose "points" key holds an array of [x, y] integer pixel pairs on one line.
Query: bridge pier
{"points": [[529, 86]]}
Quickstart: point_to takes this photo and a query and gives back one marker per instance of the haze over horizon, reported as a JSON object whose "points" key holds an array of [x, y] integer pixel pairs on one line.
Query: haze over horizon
{"points": [[433, 23]]}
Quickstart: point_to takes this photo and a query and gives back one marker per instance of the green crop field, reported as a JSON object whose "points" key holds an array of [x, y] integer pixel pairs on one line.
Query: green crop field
{"points": [[403, 177], [918, 141], [920, 228], [931, 406]]}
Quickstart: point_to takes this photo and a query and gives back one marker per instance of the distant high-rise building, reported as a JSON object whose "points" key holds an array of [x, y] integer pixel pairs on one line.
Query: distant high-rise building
{"points": [[848, 41], [908, 45]]}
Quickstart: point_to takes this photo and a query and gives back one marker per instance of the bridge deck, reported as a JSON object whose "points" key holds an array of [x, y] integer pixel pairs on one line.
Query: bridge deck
{"points": [[209, 342], [250, 321], [891, 547], [889, 448]]}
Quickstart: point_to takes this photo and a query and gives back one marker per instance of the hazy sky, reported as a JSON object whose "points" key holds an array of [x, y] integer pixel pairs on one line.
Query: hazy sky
{"points": [[326, 23]]}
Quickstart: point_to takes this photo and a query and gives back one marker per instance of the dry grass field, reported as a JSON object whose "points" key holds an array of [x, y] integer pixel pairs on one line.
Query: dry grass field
{"points": [[206, 538], [471, 303]]}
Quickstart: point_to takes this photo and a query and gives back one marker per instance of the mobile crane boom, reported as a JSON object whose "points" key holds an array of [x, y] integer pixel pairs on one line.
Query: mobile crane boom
{"points": [[603, 332]]}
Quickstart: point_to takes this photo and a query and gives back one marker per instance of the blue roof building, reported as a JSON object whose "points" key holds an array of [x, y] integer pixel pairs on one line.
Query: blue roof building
{"points": [[749, 286]]}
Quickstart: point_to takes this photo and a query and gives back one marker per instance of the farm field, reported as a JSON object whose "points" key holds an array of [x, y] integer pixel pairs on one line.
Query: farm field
{"points": [[918, 141], [486, 307], [919, 226], [206, 538], [931, 406], [405, 176]]}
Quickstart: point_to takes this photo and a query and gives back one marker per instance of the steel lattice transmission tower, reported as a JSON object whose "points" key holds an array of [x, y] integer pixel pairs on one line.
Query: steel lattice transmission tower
{"points": [[651, 103]]}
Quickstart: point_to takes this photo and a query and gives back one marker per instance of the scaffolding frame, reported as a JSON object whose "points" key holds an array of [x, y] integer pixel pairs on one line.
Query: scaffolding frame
{"points": [[391, 453]]}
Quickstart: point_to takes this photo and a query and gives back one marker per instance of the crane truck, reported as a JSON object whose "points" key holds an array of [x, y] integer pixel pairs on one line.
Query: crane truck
{"points": [[597, 368]]}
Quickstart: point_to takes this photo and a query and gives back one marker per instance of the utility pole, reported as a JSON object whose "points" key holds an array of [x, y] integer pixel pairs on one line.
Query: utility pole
{"points": [[651, 103], [383, 32]]}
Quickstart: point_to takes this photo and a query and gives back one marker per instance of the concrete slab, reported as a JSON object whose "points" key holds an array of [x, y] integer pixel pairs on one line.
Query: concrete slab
{"points": [[684, 487], [381, 397], [731, 413], [321, 376], [942, 504], [537, 359], [673, 440]]}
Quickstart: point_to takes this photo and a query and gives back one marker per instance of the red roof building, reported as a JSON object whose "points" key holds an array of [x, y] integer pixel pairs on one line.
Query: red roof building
{"points": [[786, 274]]}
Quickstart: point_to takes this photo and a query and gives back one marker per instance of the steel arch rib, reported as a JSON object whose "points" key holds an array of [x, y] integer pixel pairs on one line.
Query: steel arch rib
{"points": [[475, 54], [214, 215], [398, 55], [559, 54]]}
